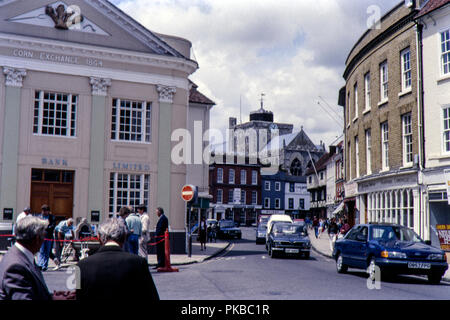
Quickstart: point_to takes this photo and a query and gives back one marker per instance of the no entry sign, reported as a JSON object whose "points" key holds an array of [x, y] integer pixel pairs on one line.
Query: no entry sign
{"points": [[188, 193]]}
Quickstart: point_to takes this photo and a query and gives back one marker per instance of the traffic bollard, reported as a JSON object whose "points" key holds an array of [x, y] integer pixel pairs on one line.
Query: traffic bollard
{"points": [[167, 267]]}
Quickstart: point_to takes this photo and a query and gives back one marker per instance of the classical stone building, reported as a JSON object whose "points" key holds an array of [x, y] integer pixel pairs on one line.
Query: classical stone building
{"points": [[381, 122], [88, 101]]}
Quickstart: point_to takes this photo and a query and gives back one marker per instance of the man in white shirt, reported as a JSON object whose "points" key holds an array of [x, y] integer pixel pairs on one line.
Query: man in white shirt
{"points": [[145, 235]]}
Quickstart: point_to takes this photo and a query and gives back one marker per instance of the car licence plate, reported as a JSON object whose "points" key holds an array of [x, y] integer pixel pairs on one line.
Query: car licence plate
{"points": [[419, 265], [291, 250]]}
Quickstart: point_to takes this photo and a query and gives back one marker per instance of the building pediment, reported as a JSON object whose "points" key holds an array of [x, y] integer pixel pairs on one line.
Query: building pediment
{"points": [[91, 22]]}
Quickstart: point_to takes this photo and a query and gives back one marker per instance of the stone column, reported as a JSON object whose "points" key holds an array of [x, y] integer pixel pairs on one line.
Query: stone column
{"points": [[11, 133], [166, 94], [97, 146]]}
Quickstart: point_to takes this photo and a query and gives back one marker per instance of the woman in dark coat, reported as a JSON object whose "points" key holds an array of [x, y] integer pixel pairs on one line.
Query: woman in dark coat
{"points": [[202, 233]]}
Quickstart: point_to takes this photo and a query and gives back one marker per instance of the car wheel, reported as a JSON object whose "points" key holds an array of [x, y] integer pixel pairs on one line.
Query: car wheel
{"points": [[340, 266], [434, 278], [271, 253]]}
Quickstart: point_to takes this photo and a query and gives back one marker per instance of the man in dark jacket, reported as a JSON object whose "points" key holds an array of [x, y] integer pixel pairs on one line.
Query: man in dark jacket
{"points": [[20, 278], [113, 274], [161, 227]]}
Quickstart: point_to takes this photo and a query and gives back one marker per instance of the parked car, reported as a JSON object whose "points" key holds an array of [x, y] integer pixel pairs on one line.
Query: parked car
{"points": [[394, 249], [210, 222], [276, 218], [288, 239], [261, 233], [227, 229]]}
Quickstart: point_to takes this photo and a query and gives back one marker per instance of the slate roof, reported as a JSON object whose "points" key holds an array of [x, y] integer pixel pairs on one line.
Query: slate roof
{"points": [[196, 96], [432, 5]]}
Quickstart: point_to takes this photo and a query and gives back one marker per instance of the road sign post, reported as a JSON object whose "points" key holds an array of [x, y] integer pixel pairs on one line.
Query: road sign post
{"points": [[189, 194]]}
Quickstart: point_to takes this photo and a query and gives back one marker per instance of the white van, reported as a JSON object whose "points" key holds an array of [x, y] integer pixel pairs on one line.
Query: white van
{"points": [[276, 218]]}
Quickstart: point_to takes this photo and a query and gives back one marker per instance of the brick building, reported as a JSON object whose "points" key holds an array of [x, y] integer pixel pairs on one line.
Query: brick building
{"points": [[235, 188], [381, 122]]}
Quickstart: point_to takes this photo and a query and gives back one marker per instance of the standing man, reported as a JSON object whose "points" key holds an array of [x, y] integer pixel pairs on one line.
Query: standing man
{"points": [[135, 227], [46, 248], [145, 235], [113, 274], [20, 278], [161, 227], [123, 214]]}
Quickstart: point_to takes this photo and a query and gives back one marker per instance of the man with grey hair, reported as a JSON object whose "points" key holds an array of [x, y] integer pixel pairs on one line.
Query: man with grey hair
{"points": [[20, 278], [111, 273]]}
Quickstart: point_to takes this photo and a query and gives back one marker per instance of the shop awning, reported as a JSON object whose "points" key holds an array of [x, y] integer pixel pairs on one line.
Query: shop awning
{"points": [[339, 208]]}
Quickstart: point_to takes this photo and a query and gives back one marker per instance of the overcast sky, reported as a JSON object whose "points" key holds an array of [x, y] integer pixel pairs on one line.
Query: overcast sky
{"points": [[293, 51]]}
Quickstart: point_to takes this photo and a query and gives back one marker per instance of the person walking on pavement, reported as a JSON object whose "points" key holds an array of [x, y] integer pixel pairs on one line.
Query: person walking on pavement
{"points": [[161, 227], [61, 230], [315, 225], [135, 228], [145, 235], [202, 233], [46, 249], [332, 232]]}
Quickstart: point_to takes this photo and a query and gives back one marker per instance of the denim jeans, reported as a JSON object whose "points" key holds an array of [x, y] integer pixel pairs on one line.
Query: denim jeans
{"points": [[133, 243], [44, 254]]}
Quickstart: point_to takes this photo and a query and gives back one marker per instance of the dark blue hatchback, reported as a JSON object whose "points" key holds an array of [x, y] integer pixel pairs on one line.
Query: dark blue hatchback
{"points": [[394, 249]]}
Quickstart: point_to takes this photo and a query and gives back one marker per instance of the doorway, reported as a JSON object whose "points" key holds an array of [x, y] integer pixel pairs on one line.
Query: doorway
{"points": [[54, 188]]}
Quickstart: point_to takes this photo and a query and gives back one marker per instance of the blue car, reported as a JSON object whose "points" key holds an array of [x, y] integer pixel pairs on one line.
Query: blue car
{"points": [[391, 249]]}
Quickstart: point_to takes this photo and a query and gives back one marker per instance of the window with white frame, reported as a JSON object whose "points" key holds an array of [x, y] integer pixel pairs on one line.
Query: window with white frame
{"points": [[243, 197], [277, 203], [219, 196], [445, 51], [267, 203], [355, 90], [291, 203], [254, 197], [384, 78], [231, 176], [385, 145], [219, 175], [230, 195], [348, 108], [128, 190], [267, 185], [406, 69], [243, 177], [368, 151], [367, 90], [254, 177], [277, 186], [55, 114], [407, 139], [350, 173], [357, 156], [302, 204], [446, 133], [131, 121]]}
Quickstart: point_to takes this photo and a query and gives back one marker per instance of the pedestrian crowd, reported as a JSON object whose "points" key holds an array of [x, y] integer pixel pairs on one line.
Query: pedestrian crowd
{"points": [[119, 266]]}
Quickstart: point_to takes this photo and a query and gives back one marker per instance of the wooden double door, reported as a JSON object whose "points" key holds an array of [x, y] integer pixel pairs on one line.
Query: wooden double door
{"points": [[54, 188]]}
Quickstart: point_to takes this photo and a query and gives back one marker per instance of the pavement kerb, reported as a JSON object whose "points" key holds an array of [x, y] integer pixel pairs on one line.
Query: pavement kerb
{"points": [[320, 252], [218, 252]]}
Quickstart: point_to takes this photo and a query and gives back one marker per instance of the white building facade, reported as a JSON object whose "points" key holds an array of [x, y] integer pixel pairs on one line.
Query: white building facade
{"points": [[87, 112]]}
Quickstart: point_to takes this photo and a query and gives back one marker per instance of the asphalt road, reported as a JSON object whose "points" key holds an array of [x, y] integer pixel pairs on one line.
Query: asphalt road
{"points": [[246, 272]]}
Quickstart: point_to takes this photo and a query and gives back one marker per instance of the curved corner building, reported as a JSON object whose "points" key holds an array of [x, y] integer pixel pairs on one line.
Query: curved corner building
{"points": [[382, 124]]}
